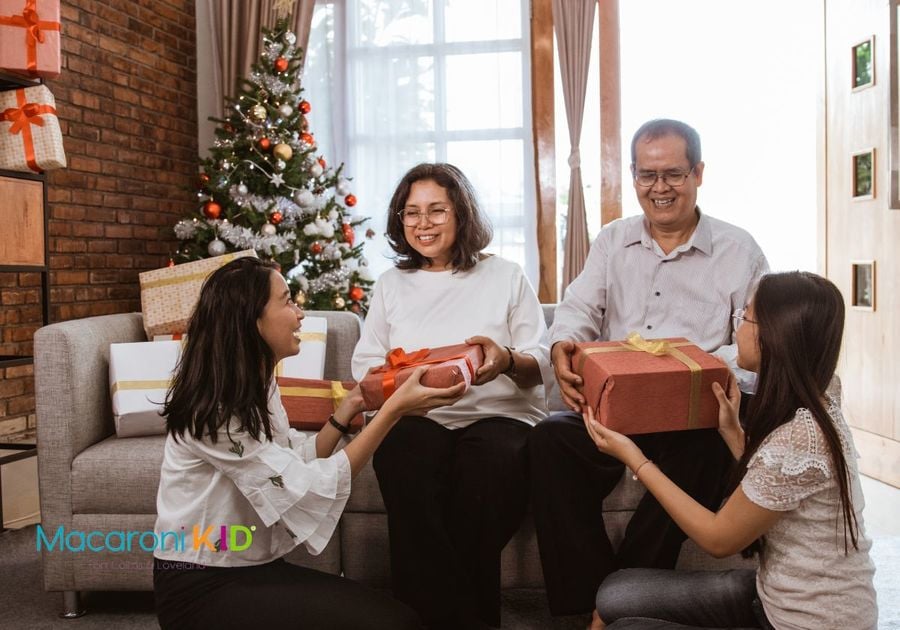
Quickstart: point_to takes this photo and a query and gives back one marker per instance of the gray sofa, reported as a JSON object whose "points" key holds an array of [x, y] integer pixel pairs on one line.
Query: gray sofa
{"points": [[91, 480]]}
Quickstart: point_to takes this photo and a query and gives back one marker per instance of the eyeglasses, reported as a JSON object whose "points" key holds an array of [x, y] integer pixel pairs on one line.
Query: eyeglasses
{"points": [[670, 178], [435, 216], [739, 316]]}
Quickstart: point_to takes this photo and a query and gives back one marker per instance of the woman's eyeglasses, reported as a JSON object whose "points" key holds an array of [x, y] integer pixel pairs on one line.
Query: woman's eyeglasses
{"points": [[434, 216], [739, 316]]}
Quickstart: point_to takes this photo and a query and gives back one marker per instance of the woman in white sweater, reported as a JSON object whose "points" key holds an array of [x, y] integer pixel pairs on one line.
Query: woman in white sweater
{"points": [[454, 480]]}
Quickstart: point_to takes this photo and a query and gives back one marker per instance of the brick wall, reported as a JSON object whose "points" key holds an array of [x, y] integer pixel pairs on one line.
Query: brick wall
{"points": [[127, 108]]}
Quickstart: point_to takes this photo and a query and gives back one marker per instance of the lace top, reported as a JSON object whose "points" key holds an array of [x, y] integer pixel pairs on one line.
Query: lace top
{"points": [[805, 580]]}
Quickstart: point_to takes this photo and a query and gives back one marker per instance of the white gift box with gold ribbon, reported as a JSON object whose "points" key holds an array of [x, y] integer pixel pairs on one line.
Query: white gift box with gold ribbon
{"points": [[139, 376], [310, 362]]}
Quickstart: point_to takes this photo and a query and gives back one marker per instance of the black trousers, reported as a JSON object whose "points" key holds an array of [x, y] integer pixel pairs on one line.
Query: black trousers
{"points": [[454, 498], [570, 480], [273, 595]]}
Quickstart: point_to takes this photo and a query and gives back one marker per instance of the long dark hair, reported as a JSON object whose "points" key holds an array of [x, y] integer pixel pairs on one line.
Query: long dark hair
{"points": [[226, 366], [800, 319], [473, 230]]}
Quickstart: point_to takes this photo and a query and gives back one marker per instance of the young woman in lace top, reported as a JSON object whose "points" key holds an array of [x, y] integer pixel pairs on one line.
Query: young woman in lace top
{"points": [[796, 501]]}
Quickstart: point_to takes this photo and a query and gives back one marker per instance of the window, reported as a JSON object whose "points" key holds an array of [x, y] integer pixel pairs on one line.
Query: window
{"points": [[431, 80]]}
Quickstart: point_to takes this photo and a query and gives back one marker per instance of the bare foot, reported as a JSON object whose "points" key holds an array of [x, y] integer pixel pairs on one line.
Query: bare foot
{"points": [[596, 622]]}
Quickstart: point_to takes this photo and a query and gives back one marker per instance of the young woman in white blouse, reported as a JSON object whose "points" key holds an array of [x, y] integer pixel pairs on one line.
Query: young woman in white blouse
{"points": [[239, 488], [796, 499], [454, 480]]}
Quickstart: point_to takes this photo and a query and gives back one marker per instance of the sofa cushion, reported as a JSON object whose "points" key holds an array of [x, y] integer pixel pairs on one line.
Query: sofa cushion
{"points": [[118, 476]]}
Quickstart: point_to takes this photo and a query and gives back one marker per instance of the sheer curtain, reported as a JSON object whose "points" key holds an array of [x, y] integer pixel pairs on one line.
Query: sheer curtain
{"points": [[440, 80]]}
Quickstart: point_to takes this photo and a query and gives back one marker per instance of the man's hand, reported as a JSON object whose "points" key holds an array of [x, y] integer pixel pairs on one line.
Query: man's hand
{"points": [[569, 382], [496, 359]]}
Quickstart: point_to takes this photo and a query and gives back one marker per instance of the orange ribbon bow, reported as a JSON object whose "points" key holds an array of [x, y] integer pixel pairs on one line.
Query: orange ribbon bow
{"points": [[34, 30], [22, 117]]}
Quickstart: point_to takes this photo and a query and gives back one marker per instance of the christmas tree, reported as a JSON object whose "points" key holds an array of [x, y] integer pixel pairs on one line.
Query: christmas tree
{"points": [[264, 188]]}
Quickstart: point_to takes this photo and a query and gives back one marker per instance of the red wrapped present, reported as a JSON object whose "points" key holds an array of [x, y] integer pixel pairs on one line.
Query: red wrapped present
{"points": [[309, 402], [448, 365], [30, 137], [29, 37], [650, 385]]}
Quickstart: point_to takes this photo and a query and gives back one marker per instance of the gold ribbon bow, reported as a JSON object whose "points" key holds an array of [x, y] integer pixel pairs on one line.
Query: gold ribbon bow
{"points": [[659, 348]]}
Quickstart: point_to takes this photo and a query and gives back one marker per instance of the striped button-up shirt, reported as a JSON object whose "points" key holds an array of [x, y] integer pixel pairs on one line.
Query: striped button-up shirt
{"points": [[629, 284]]}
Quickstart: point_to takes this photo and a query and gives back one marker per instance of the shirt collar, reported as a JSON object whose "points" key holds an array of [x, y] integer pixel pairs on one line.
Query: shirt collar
{"points": [[701, 239]]}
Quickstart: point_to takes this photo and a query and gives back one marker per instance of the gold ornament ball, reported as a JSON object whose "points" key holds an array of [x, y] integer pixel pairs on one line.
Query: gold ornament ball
{"points": [[258, 112], [339, 302], [283, 151], [300, 298]]}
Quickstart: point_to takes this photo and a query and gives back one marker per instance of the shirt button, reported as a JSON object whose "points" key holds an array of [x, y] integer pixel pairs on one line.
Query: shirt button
{"points": [[649, 327], [657, 294]]}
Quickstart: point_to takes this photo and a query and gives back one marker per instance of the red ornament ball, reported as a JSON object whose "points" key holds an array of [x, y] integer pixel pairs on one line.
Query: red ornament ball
{"points": [[281, 64], [204, 178], [305, 107], [349, 236], [212, 210], [228, 127], [370, 233], [322, 162], [307, 138], [350, 200], [355, 308], [316, 248], [356, 294], [276, 218], [264, 144], [171, 263]]}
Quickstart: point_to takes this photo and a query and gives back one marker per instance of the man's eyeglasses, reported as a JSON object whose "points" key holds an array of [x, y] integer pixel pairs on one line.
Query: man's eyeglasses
{"points": [[435, 216], [739, 316], [670, 178]]}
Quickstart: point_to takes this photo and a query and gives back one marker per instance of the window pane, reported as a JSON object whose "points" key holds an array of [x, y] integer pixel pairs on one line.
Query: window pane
{"points": [[495, 168], [395, 94], [381, 23], [474, 20], [318, 79], [484, 91]]}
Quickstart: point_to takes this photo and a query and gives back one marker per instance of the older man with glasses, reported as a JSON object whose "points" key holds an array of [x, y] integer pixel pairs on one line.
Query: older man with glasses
{"points": [[673, 272]]}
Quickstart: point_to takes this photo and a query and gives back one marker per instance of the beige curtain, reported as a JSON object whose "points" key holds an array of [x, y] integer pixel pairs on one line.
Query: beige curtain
{"points": [[573, 21], [236, 34]]}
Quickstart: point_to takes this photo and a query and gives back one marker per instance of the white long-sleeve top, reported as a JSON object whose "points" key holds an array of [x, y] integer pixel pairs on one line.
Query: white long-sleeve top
{"points": [[279, 490], [421, 309]]}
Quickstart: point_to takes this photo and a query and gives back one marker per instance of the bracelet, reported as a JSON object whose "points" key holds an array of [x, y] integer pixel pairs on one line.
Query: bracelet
{"points": [[340, 427], [634, 475], [511, 368]]}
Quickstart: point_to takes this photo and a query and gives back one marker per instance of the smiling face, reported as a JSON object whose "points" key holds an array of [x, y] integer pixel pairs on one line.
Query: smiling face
{"points": [[432, 241], [279, 324], [747, 336], [668, 208]]}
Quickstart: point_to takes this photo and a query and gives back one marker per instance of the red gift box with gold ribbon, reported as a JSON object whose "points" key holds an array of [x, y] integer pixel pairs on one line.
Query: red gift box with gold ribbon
{"points": [[650, 385], [29, 37], [30, 138], [448, 365], [309, 402]]}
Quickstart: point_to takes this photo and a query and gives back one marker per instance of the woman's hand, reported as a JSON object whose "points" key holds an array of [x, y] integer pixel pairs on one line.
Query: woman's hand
{"points": [[612, 443], [729, 407], [352, 405], [413, 398], [496, 359]]}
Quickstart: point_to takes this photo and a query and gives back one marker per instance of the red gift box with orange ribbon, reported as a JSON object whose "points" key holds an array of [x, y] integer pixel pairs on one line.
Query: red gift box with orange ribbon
{"points": [[448, 365], [309, 402], [29, 37], [30, 138], [650, 385]]}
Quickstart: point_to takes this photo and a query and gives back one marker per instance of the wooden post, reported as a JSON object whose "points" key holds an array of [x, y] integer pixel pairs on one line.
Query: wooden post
{"points": [[610, 113]]}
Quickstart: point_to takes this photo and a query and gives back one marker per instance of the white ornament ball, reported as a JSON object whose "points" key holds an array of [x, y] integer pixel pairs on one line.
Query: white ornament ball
{"points": [[268, 229], [290, 38], [286, 110], [216, 248], [304, 197], [279, 165], [226, 165], [337, 254], [242, 188], [316, 170], [333, 215], [343, 187]]}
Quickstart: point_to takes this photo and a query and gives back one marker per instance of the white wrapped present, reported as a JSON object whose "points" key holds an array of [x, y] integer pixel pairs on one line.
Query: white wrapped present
{"points": [[310, 362], [30, 137], [139, 376]]}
